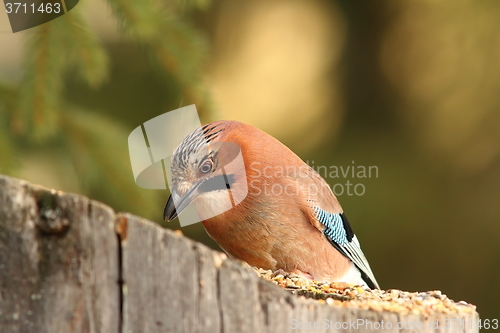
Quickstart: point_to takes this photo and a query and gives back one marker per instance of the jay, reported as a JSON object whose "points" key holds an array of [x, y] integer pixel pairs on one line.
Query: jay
{"points": [[289, 218]]}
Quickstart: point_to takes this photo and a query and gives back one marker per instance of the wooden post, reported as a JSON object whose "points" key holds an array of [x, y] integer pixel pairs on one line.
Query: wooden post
{"points": [[70, 264]]}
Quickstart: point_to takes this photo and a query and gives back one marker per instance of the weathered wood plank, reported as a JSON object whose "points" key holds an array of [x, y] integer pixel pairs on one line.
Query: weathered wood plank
{"points": [[170, 282], [58, 262]]}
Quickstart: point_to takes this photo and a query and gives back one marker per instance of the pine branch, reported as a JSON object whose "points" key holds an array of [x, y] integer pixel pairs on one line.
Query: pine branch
{"points": [[182, 52], [54, 47], [41, 87], [90, 57], [141, 19], [176, 45]]}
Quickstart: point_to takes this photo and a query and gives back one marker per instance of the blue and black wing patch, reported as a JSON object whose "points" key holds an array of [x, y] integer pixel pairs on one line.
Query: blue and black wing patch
{"points": [[339, 233], [334, 227]]}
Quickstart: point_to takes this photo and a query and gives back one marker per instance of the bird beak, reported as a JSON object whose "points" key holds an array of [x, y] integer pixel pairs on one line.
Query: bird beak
{"points": [[171, 211]]}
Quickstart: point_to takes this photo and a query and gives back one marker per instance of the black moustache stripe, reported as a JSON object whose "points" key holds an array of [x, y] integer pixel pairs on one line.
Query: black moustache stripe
{"points": [[217, 183]]}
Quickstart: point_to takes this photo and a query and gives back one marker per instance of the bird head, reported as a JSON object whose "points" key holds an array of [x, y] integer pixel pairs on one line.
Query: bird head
{"points": [[206, 170]]}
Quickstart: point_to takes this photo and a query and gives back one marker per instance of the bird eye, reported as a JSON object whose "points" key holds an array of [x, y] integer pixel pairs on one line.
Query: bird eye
{"points": [[206, 167]]}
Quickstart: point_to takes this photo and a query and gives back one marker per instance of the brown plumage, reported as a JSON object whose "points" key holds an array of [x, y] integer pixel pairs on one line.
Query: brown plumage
{"points": [[278, 225]]}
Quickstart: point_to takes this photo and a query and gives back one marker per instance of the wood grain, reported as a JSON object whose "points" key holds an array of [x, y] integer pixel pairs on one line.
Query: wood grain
{"points": [[58, 261]]}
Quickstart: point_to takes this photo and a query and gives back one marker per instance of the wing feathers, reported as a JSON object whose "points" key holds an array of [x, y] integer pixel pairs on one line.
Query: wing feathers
{"points": [[339, 233], [334, 225]]}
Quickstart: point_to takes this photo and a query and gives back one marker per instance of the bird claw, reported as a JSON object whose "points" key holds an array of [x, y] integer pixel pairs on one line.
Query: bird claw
{"points": [[294, 271], [280, 272]]}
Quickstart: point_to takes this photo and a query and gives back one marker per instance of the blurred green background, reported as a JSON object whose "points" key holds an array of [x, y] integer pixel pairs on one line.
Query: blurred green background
{"points": [[411, 87]]}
